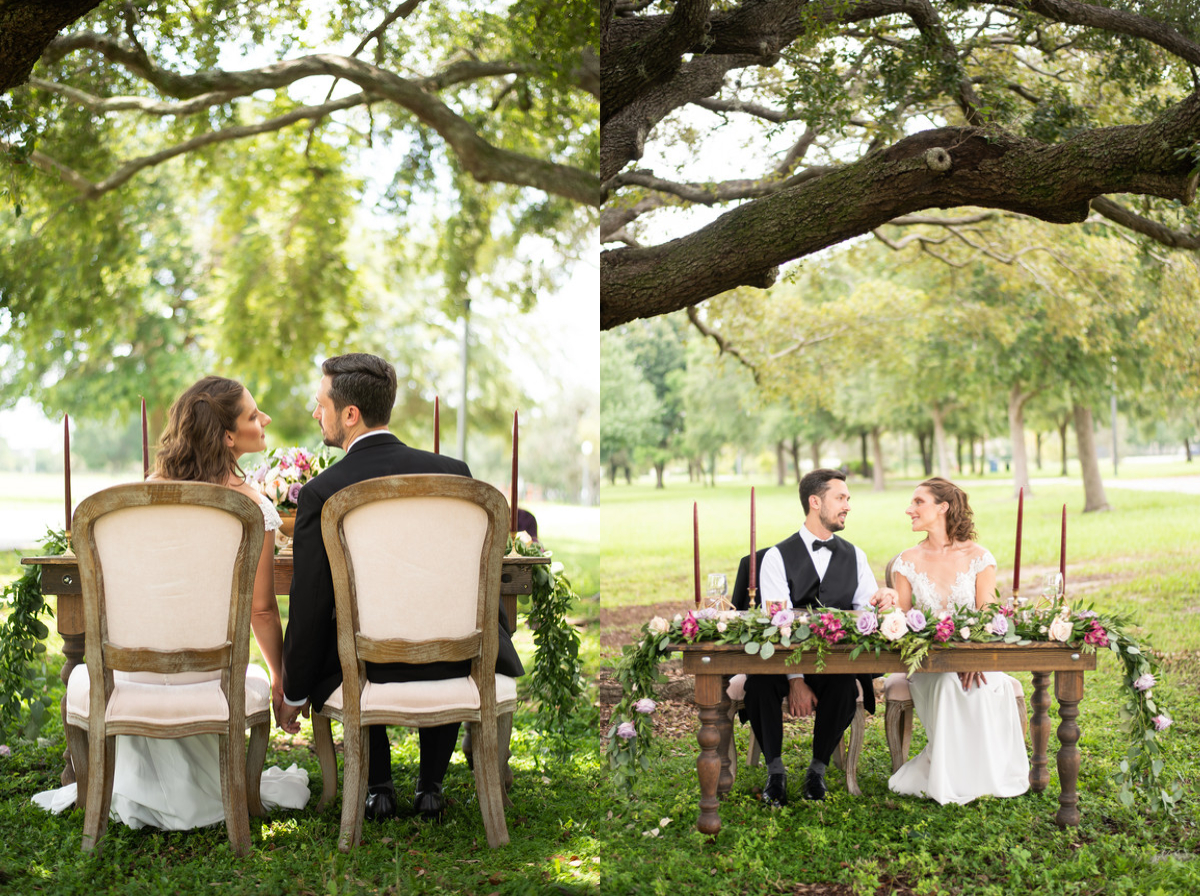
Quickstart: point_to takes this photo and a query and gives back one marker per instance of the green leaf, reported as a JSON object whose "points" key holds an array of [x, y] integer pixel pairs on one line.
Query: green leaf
{"points": [[752, 647], [1132, 649], [1156, 767], [767, 650]]}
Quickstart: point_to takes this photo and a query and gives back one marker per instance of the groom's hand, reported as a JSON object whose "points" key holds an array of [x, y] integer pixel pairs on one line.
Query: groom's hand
{"points": [[288, 717], [801, 699], [885, 599]]}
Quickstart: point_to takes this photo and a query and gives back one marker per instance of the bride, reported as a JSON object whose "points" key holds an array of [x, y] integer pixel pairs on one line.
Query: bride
{"points": [[975, 743], [176, 784]]}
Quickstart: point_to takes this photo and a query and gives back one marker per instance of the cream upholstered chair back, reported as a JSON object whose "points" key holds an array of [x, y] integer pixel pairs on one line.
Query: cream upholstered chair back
{"points": [[416, 565]]}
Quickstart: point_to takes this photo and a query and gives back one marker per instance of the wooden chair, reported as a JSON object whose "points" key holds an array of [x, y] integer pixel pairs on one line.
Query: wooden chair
{"points": [[167, 574], [898, 716], [416, 575]]}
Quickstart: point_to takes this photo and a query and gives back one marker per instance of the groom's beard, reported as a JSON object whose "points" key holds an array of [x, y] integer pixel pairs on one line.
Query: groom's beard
{"points": [[336, 438], [833, 525]]}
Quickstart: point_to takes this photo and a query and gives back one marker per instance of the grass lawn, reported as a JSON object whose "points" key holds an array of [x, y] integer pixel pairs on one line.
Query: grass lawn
{"points": [[1143, 558]]}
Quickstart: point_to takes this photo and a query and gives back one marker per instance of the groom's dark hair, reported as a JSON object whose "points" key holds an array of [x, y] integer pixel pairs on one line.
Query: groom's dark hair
{"points": [[817, 483], [366, 381]]}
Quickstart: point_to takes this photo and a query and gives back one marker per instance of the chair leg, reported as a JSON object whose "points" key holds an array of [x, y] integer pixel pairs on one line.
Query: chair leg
{"points": [[256, 757], [734, 706], [233, 790], [77, 743], [468, 746], [326, 758], [854, 746], [504, 724], [354, 787], [895, 718], [1021, 713], [101, 751], [488, 786]]}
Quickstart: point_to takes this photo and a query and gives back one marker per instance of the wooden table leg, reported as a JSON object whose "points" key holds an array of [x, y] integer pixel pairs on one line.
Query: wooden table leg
{"points": [[708, 766], [1039, 730], [725, 745], [70, 623], [1068, 688]]}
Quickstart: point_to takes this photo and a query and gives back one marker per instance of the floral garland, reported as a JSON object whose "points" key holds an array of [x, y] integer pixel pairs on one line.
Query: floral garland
{"points": [[556, 682], [23, 680], [912, 635]]}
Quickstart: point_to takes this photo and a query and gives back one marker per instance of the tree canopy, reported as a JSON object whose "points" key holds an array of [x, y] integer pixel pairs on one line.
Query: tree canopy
{"points": [[810, 123]]}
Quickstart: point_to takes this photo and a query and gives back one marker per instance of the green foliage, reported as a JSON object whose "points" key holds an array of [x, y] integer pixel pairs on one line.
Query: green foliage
{"points": [[24, 683]]}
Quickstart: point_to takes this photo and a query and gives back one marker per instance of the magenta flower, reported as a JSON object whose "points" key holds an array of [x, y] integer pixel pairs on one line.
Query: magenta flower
{"points": [[916, 620], [1007, 610], [774, 607], [1096, 635], [945, 628], [690, 627], [1145, 681], [829, 628], [645, 706], [867, 624], [1161, 723], [626, 731]]}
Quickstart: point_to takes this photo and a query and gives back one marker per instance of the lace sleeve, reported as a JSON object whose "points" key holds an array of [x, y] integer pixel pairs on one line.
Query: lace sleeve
{"points": [[270, 514], [904, 568], [984, 560]]}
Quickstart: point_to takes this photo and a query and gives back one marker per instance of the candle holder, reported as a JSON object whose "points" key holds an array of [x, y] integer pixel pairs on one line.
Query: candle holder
{"points": [[70, 551], [512, 552]]}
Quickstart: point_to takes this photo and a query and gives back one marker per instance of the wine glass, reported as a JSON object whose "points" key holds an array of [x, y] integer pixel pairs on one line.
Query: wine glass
{"points": [[718, 588]]}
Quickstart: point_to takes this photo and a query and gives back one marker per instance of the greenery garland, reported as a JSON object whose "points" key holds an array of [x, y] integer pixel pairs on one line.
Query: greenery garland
{"points": [[758, 631], [556, 682], [23, 681]]}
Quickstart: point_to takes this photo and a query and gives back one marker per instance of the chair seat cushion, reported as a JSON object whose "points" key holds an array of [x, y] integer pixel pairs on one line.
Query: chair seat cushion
{"points": [[895, 688], [425, 696], [165, 700]]}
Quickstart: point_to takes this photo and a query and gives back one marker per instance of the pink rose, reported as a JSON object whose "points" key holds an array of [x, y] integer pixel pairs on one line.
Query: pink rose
{"points": [[894, 625], [1161, 723], [645, 706], [1145, 681], [1061, 629]]}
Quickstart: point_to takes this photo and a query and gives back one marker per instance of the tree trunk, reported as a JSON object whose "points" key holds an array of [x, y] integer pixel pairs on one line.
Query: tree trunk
{"points": [[659, 466], [628, 475], [958, 452], [1038, 460], [1085, 438], [816, 455], [866, 466], [612, 472], [1062, 438], [877, 450], [1187, 449], [712, 469], [780, 463], [941, 451], [926, 454], [1016, 433]]}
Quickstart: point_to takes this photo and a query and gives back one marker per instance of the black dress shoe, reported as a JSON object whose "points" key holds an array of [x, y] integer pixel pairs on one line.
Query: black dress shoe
{"points": [[381, 803], [429, 802], [814, 786], [775, 793]]}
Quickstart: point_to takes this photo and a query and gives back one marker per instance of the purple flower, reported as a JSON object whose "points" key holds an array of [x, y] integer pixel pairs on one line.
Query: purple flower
{"points": [[1145, 681], [293, 494], [999, 625], [626, 731], [707, 613], [867, 624], [1161, 723], [916, 620], [782, 618], [689, 626], [645, 706]]}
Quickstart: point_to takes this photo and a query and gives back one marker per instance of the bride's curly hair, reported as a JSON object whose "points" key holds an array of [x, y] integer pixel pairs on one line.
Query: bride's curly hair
{"points": [[960, 520], [192, 447]]}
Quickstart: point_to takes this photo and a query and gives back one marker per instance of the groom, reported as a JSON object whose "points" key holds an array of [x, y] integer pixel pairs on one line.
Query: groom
{"points": [[354, 406], [812, 569]]}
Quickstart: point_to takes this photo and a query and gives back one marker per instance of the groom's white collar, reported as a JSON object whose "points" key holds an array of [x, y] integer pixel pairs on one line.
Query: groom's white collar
{"points": [[367, 435]]}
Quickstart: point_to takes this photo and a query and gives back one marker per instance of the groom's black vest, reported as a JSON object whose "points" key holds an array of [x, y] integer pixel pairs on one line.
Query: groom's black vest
{"points": [[807, 590]]}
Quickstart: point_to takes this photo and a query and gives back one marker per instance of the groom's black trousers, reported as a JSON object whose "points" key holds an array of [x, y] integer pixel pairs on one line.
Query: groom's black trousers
{"points": [[437, 746], [837, 700]]}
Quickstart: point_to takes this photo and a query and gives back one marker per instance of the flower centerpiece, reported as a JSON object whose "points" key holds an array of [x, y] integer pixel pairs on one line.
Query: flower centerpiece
{"points": [[283, 473], [1050, 618]]}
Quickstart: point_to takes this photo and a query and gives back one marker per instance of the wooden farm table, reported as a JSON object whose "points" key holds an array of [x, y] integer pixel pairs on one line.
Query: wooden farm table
{"points": [[712, 664], [60, 577]]}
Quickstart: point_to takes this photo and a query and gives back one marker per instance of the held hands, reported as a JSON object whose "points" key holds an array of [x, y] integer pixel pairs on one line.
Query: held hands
{"points": [[885, 598], [288, 716], [801, 699], [971, 678]]}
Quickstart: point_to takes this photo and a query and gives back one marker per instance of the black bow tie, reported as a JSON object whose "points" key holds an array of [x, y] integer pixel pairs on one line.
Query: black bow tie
{"points": [[817, 545]]}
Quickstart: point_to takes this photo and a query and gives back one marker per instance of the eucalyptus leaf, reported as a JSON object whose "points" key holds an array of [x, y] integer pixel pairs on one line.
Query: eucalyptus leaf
{"points": [[752, 647], [767, 650]]}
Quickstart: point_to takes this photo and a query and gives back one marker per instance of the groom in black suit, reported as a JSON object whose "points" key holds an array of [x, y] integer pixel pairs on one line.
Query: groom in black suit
{"points": [[809, 570], [353, 406]]}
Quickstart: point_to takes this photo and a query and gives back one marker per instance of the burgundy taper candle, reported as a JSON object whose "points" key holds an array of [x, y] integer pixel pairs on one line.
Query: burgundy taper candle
{"points": [[67, 467], [437, 425], [145, 444], [1062, 552], [696, 548], [752, 563], [1017, 553], [513, 527]]}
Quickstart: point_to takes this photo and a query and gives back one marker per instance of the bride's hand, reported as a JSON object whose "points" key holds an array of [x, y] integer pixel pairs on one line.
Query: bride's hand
{"points": [[885, 598], [970, 678]]}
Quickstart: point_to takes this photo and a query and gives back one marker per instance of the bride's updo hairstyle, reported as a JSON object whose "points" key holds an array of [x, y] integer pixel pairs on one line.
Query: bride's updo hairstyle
{"points": [[192, 447], [960, 521]]}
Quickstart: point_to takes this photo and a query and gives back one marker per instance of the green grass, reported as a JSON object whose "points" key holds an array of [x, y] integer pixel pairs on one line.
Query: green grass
{"points": [[1142, 558]]}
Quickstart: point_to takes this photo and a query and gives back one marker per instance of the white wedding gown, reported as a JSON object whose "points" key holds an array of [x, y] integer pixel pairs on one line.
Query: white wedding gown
{"points": [[975, 746], [176, 784]]}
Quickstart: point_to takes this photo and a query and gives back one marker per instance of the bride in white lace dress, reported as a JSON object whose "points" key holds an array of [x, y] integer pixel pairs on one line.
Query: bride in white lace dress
{"points": [[176, 784], [975, 743]]}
